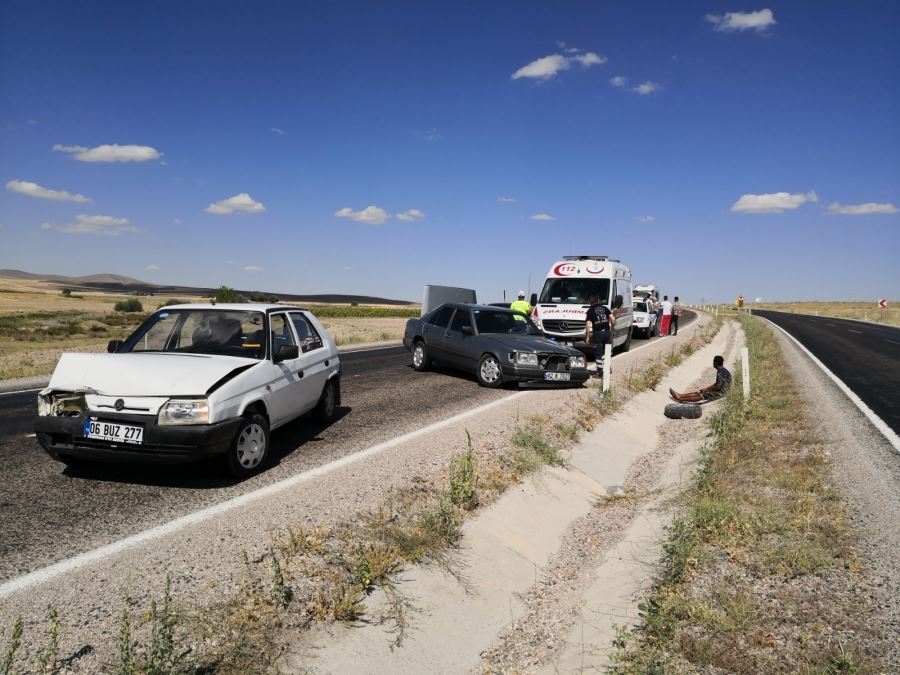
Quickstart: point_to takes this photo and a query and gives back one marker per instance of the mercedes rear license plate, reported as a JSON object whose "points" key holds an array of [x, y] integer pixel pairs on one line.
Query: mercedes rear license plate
{"points": [[113, 432], [556, 376]]}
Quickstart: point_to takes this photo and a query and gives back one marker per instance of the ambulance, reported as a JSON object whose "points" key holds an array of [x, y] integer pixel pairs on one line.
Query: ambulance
{"points": [[561, 307]]}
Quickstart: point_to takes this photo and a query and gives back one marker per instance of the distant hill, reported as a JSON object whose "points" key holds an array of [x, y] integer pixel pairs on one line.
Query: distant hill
{"points": [[116, 283]]}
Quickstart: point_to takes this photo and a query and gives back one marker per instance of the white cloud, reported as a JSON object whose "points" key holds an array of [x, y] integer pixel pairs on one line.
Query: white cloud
{"points": [[280, 132], [618, 81], [253, 268], [645, 88], [860, 209], [34, 190], [32, 122], [776, 202], [242, 203], [433, 135], [506, 200], [110, 153], [151, 268], [589, 59], [412, 214], [732, 21], [646, 219], [542, 216], [371, 215], [177, 221], [548, 66], [99, 225]]}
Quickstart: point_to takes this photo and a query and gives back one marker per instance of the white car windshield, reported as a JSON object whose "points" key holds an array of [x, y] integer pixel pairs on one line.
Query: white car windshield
{"points": [[640, 306], [201, 331]]}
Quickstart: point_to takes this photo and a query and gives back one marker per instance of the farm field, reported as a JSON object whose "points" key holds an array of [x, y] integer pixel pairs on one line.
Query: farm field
{"points": [[36, 326]]}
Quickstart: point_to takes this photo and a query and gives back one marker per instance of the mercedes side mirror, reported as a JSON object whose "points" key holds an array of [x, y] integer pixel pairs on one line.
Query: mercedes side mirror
{"points": [[468, 330], [534, 299], [286, 353], [113, 346], [617, 302]]}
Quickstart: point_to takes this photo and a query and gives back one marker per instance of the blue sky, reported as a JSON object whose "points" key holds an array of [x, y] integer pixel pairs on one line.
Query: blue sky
{"points": [[717, 148]]}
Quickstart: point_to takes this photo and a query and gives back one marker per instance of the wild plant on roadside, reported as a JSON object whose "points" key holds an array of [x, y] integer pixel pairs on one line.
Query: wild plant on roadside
{"points": [[281, 594], [125, 643], [9, 655], [47, 659], [464, 478]]}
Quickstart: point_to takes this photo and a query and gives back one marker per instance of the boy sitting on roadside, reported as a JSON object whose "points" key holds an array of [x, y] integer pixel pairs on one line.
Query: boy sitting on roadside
{"points": [[716, 390]]}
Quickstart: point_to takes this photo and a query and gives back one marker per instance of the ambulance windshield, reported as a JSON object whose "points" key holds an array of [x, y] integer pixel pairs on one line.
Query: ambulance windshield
{"points": [[566, 291]]}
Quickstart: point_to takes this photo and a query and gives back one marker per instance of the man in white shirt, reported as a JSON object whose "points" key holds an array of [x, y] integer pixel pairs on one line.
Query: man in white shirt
{"points": [[667, 316]]}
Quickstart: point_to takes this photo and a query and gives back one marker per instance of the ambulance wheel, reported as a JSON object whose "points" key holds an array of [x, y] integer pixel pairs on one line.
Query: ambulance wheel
{"points": [[687, 411]]}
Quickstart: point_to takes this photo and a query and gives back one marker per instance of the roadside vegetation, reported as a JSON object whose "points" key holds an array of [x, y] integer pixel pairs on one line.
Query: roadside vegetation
{"points": [[759, 568]]}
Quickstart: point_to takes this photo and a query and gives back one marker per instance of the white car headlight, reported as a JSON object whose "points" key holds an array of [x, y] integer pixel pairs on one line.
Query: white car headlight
{"points": [[576, 362], [184, 411], [526, 359], [43, 405]]}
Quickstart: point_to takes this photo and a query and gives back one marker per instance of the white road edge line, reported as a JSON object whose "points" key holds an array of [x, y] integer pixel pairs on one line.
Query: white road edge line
{"points": [[879, 423], [82, 559], [892, 342], [858, 332]]}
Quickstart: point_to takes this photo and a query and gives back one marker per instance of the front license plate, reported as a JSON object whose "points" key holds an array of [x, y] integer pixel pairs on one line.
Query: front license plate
{"points": [[113, 432], [557, 376]]}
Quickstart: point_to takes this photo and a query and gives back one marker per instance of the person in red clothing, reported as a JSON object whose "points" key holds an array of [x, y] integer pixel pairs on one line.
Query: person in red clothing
{"points": [[666, 317]]}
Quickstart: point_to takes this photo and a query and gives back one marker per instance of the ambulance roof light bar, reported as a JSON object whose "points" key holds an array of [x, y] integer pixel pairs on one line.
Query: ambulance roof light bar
{"points": [[590, 257]]}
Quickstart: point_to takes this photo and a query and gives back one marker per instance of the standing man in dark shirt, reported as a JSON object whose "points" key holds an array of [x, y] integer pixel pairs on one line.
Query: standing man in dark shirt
{"points": [[676, 314], [716, 390], [598, 330]]}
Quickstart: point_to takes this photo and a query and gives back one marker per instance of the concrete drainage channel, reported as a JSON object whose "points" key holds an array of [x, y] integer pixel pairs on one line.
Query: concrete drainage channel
{"points": [[508, 546]]}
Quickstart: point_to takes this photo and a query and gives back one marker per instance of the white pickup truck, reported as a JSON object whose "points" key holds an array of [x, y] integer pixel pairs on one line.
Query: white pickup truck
{"points": [[192, 381]]}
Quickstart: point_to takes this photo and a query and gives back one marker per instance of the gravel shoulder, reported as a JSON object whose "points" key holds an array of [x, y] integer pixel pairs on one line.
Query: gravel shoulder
{"points": [[866, 470]]}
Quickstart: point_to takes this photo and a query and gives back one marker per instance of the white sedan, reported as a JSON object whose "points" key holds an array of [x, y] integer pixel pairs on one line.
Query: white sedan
{"points": [[192, 381], [645, 318]]}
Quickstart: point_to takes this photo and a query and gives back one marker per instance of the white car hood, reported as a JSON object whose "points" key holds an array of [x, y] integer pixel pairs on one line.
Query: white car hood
{"points": [[146, 374]]}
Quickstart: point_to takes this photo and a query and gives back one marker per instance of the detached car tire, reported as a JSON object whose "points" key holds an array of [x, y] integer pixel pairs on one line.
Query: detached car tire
{"points": [[489, 373], [420, 359], [688, 411], [326, 409], [250, 449]]}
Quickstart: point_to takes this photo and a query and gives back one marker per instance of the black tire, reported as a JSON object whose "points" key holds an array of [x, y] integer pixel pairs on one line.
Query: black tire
{"points": [[420, 359], [687, 411], [488, 373], [250, 449], [326, 408]]}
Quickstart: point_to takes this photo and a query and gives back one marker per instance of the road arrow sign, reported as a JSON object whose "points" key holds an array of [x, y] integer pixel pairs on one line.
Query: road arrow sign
{"points": [[882, 303]]}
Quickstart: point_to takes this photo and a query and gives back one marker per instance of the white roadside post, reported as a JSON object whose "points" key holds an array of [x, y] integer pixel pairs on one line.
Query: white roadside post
{"points": [[745, 371], [607, 365]]}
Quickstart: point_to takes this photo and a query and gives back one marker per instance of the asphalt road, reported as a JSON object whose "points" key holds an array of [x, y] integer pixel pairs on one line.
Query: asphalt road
{"points": [[49, 512], [865, 356]]}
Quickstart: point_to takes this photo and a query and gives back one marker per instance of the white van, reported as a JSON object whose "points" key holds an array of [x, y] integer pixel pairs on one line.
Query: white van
{"points": [[562, 305]]}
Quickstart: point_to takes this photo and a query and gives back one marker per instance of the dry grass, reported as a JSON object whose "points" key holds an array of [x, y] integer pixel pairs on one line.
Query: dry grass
{"points": [[761, 557], [866, 311], [40, 325]]}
